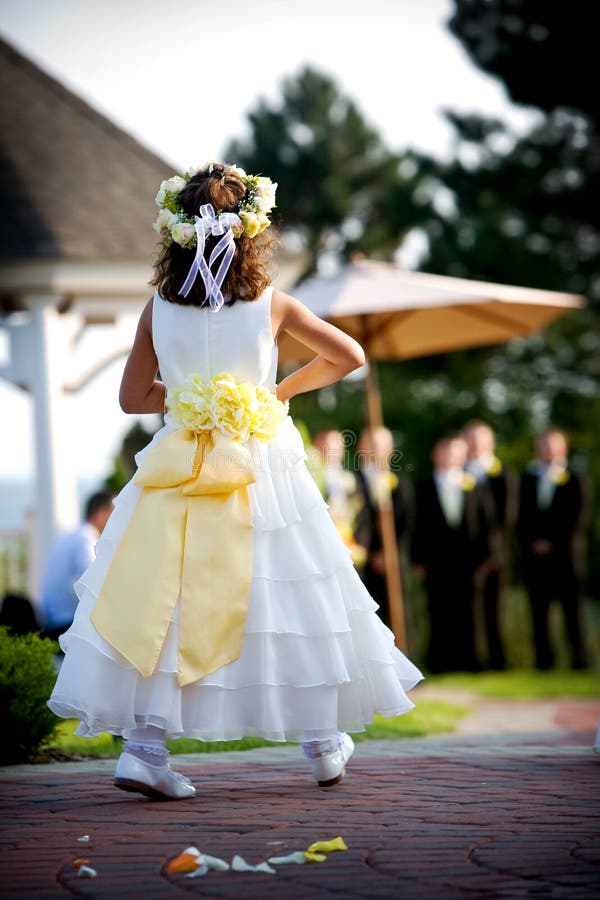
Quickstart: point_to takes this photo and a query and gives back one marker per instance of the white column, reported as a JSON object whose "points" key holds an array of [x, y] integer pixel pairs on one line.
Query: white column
{"points": [[56, 491]]}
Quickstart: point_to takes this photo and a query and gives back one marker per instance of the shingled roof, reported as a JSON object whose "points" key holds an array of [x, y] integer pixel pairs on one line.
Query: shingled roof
{"points": [[73, 186]]}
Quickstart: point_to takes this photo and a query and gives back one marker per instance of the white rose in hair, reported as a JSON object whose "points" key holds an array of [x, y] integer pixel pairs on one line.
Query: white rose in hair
{"points": [[265, 195], [174, 184], [182, 233], [164, 220], [235, 170], [160, 197]]}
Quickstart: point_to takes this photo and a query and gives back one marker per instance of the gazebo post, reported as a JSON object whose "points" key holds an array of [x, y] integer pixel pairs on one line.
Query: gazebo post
{"points": [[56, 495], [386, 521]]}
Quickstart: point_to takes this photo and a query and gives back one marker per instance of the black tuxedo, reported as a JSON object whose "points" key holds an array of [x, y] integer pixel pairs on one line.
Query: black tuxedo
{"points": [[367, 532], [450, 555], [555, 575], [502, 487]]}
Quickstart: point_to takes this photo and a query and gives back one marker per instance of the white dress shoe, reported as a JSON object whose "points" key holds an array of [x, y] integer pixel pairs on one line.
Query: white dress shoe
{"points": [[156, 782], [329, 770]]}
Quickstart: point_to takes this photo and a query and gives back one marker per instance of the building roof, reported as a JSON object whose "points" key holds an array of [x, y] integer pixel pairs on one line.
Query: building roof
{"points": [[73, 186]]}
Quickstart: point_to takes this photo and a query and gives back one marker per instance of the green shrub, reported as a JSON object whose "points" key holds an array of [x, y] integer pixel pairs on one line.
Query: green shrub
{"points": [[27, 676]]}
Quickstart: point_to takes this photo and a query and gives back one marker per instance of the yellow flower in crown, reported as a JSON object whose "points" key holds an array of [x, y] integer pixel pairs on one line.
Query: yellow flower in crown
{"points": [[560, 476], [495, 467], [468, 482]]}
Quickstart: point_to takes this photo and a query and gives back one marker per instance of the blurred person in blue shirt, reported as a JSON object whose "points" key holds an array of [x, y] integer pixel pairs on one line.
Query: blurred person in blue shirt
{"points": [[68, 559]]}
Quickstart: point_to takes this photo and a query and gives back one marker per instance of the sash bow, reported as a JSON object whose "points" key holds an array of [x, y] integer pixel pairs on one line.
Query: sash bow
{"points": [[189, 537]]}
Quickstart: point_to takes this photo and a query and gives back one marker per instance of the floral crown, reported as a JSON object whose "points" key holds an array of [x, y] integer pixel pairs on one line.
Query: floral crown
{"points": [[174, 225]]}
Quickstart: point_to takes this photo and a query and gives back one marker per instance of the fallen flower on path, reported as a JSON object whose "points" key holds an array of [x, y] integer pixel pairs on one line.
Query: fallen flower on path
{"points": [[205, 863], [83, 839], [86, 872], [193, 863], [239, 864], [297, 857], [78, 863], [188, 861], [327, 846]]}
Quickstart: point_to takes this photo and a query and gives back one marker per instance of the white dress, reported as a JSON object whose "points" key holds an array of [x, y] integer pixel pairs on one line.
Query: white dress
{"points": [[316, 658]]}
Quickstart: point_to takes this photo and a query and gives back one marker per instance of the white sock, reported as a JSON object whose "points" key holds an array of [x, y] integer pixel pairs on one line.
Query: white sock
{"points": [[319, 749], [148, 744]]}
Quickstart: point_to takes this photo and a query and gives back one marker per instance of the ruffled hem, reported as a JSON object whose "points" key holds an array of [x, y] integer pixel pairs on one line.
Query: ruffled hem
{"points": [[212, 713], [315, 656]]}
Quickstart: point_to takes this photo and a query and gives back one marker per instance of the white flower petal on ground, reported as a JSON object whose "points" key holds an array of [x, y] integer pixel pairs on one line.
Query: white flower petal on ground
{"points": [[239, 864]]}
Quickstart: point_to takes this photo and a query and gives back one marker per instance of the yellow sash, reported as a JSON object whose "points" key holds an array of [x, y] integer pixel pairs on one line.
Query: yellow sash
{"points": [[190, 536]]}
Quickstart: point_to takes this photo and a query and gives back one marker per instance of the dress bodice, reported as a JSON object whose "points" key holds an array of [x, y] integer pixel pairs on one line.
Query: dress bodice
{"points": [[195, 340]]}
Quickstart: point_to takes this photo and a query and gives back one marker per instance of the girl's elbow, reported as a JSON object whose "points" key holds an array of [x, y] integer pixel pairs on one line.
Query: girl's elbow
{"points": [[126, 402], [356, 357]]}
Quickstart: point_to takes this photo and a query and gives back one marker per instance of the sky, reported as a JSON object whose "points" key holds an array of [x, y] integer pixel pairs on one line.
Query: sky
{"points": [[182, 76]]}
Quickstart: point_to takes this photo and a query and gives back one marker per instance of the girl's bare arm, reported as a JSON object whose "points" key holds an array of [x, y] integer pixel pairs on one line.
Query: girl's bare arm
{"points": [[337, 353], [140, 391]]}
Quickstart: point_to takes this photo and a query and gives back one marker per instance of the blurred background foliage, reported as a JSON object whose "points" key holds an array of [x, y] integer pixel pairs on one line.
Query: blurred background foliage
{"points": [[520, 209]]}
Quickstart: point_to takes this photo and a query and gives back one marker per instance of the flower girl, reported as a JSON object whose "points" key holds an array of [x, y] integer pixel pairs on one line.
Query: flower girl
{"points": [[222, 601]]}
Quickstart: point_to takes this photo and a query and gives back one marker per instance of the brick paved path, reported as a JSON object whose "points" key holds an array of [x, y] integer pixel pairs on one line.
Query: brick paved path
{"points": [[505, 817]]}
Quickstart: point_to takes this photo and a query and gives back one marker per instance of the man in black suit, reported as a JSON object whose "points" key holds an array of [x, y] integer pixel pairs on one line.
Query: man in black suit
{"points": [[489, 472], [550, 526], [378, 484], [453, 539]]}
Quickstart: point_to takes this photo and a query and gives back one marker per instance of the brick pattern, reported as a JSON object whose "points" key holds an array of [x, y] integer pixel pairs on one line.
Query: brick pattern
{"points": [[474, 825]]}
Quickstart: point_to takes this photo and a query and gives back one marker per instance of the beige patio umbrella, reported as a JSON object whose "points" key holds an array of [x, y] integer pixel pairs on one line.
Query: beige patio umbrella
{"points": [[398, 314]]}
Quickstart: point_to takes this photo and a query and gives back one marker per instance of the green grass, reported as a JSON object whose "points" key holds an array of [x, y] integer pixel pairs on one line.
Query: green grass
{"points": [[430, 717], [523, 684]]}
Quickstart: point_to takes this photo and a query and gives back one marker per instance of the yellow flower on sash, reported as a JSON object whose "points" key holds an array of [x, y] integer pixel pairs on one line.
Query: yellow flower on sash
{"points": [[237, 410], [270, 414], [468, 482]]}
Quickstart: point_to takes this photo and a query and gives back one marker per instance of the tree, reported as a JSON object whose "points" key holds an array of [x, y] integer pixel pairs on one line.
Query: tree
{"points": [[340, 190], [526, 210], [544, 52]]}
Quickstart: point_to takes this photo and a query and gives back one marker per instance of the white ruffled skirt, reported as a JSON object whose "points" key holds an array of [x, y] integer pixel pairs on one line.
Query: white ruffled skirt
{"points": [[316, 657]]}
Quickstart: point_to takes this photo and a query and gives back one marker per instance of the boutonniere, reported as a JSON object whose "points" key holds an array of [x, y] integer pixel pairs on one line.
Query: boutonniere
{"points": [[495, 467], [384, 484], [561, 476], [468, 482]]}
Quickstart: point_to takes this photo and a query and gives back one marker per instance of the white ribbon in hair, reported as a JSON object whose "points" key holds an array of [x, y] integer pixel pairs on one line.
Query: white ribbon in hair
{"points": [[208, 224]]}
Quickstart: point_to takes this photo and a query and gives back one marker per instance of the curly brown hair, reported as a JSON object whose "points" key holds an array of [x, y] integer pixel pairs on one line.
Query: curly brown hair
{"points": [[248, 274]]}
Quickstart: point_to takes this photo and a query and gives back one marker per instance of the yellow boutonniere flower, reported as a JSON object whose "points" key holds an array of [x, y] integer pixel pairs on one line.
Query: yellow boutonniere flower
{"points": [[561, 476], [384, 484], [468, 482], [496, 467]]}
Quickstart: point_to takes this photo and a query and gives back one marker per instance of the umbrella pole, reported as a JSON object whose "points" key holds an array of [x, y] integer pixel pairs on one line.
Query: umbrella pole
{"points": [[386, 522]]}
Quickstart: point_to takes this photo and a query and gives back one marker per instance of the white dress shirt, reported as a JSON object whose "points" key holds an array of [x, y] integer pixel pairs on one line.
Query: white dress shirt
{"points": [[480, 466], [449, 487], [67, 561], [546, 482]]}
